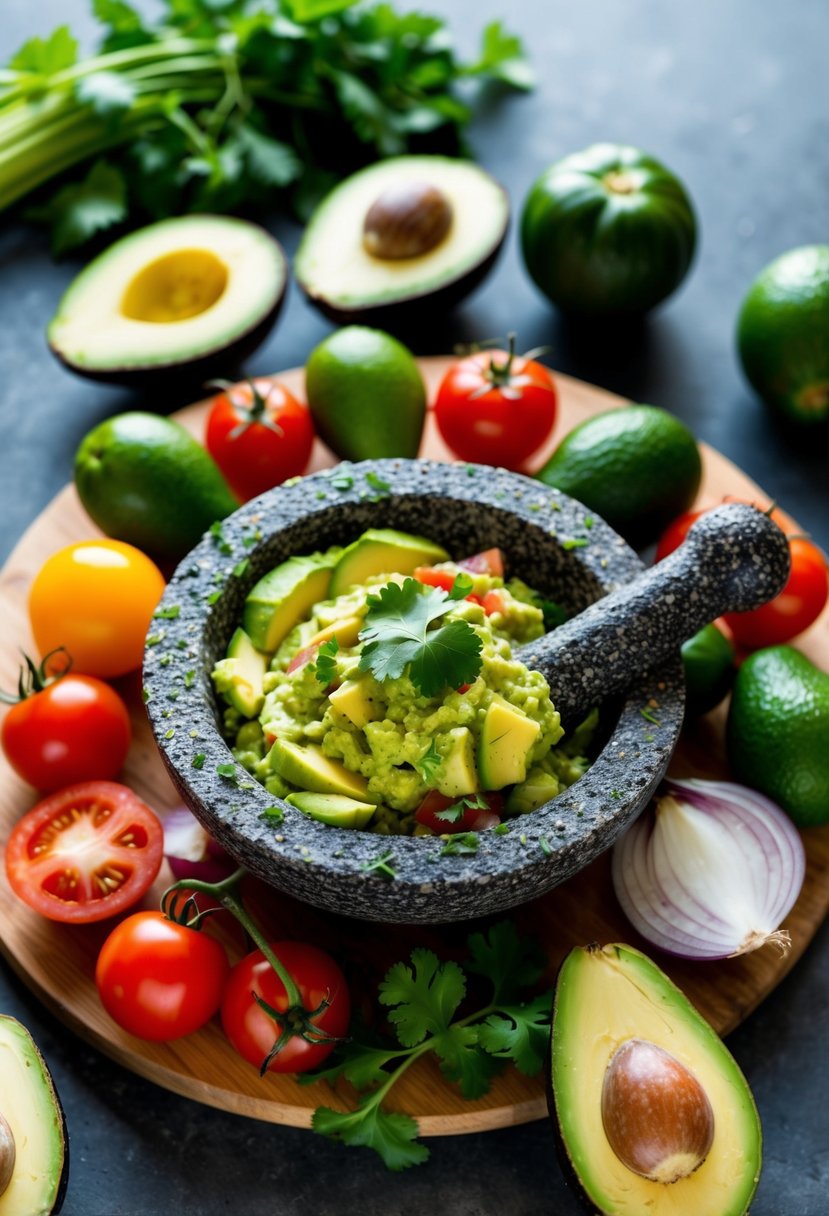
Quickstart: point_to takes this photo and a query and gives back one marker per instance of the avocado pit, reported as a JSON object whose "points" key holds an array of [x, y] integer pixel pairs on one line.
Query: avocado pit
{"points": [[656, 1115], [408, 219], [8, 1154]]}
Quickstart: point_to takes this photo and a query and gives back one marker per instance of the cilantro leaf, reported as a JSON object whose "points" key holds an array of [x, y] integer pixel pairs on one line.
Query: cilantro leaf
{"points": [[325, 667], [361, 1064], [78, 211], [509, 961], [269, 161], [108, 94], [429, 762], [502, 56], [46, 56], [463, 1061], [461, 587], [304, 11], [455, 811], [519, 1033], [426, 996], [396, 636], [125, 26], [392, 1135], [461, 845]]}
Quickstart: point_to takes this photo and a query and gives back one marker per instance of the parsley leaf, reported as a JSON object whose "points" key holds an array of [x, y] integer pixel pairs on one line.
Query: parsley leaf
{"points": [[396, 636], [325, 667], [79, 211]]}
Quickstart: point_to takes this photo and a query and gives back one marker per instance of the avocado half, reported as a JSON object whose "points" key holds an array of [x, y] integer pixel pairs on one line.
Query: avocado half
{"points": [[612, 998], [34, 1147], [190, 296], [403, 233]]}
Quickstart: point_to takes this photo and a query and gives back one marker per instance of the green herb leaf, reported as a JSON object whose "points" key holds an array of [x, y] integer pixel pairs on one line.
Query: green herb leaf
{"points": [[392, 1135], [462, 845], [553, 613], [502, 56], [463, 1061], [429, 762], [461, 587], [382, 866], [325, 667], [396, 635], [107, 94], [168, 614], [45, 56], [269, 161], [198, 760], [509, 961], [228, 771], [649, 717], [241, 568], [125, 26], [519, 1033], [217, 533], [79, 211], [455, 812], [574, 542], [383, 488], [425, 995]]}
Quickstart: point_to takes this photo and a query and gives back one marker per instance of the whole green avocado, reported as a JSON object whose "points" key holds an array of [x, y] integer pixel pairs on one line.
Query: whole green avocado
{"points": [[145, 480]]}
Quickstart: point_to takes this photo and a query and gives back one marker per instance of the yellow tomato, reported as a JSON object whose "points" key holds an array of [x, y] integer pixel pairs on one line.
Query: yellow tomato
{"points": [[96, 599]]}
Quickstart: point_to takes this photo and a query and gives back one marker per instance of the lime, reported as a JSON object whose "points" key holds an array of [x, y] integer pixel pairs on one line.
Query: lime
{"points": [[637, 467], [365, 394], [708, 660], [783, 334]]}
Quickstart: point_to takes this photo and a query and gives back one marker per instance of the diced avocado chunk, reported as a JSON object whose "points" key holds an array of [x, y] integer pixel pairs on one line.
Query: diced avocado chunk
{"points": [[538, 787], [507, 738], [310, 769], [353, 701], [34, 1153], [335, 809], [382, 551], [457, 774], [285, 595], [346, 631], [238, 677]]}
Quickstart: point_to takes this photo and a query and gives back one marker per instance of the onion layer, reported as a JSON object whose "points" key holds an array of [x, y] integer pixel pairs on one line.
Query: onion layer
{"points": [[709, 870], [190, 852]]}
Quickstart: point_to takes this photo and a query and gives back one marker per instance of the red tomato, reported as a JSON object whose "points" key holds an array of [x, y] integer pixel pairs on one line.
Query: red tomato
{"points": [[158, 979], [432, 577], [493, 601], [85, 853], [495, 407], [259, 435], [253, 1032], [472, 819], [491, 561], [75, 729], [791, 612]]}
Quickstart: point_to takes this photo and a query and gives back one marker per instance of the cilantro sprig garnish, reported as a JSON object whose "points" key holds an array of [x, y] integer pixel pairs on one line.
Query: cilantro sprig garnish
{"points": [[455, 811], [423, 997], [396, 637], [429, 762], [325, 666]]}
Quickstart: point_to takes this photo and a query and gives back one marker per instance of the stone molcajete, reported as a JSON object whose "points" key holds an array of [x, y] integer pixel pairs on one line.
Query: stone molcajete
{"points": [[619, 650]]}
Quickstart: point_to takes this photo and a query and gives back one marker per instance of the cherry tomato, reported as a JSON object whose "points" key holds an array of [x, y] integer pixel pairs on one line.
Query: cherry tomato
{"points": [[158, 979], [85, 853], [96, 599], [496, 407], [76, 728], [490, 561], [259, 435], [791, 612], [472, 818], [253, 1032]]}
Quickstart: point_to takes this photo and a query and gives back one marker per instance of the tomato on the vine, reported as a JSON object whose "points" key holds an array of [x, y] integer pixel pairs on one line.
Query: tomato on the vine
{"points": [[496, 407], [470, 813], [96, 599], [66, 729], [159, 979], [85, 853], [797, 606], [253, 1032], [259, 435]]}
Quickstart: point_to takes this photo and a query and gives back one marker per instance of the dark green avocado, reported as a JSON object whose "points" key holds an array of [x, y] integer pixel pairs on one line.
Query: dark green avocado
{"points": [[34, 1147], [188, 297], [408, 232], [650, 1110]]}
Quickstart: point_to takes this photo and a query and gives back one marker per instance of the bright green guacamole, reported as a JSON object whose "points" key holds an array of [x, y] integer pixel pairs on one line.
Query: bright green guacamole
{"points": [[396, 742]]}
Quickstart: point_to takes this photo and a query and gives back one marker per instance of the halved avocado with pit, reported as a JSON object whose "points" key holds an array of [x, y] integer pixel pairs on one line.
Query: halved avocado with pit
{"points": [[637, 1075], [407, 232], [34, 1148], [188, 296]]}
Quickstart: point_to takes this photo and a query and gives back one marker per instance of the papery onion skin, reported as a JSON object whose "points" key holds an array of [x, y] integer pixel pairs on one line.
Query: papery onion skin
{"points": [[190, 851], [671, 909]]}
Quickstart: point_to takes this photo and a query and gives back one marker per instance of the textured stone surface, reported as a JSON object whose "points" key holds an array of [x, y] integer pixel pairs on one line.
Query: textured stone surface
{"points": [[329, 866]]}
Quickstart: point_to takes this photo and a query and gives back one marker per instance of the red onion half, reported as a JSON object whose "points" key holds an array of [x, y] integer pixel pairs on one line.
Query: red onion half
{"points": [[710, 870], [190, 852]]}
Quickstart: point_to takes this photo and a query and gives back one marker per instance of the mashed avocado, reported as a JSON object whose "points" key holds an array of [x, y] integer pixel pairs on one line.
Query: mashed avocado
{"points": [[327, 725]]}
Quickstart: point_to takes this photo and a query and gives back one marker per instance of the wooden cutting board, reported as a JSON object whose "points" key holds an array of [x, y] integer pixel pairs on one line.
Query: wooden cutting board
{"points": [[57, 961]]}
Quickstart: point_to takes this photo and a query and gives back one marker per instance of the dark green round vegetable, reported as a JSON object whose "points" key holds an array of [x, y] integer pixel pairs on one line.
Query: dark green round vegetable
{"points": [[608, 231], [708, 659]]}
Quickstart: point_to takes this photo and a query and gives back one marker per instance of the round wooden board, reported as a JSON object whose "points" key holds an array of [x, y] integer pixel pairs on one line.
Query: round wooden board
{"points": [[57, 961]]}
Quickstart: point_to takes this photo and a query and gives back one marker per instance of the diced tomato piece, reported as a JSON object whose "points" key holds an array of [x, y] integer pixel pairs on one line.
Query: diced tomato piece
{"points": [[432, 577], [462, 688], [302, 657], [491, 561], [493, 601], [472, 819]]}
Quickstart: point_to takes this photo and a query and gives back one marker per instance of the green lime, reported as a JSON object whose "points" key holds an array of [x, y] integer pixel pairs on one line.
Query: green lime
{"points": [[366, 394], [783, 334], [778, 727], [708, 659], [637, 467], [144, 479]]}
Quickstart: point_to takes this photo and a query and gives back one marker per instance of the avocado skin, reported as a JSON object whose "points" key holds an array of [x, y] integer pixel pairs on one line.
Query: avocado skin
{"points": [[193, 372], [399, 314]]}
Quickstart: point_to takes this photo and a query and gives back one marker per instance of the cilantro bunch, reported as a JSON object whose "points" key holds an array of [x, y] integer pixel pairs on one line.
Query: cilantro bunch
{"points": [[425, 998], [220, 103]]}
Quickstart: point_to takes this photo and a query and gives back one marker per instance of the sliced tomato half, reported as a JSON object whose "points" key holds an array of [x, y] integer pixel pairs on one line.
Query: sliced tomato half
{"points": [[86, 852]]}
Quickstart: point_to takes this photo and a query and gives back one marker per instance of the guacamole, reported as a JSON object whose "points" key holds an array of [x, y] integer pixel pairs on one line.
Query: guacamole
{"points": [[334, 719]]}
